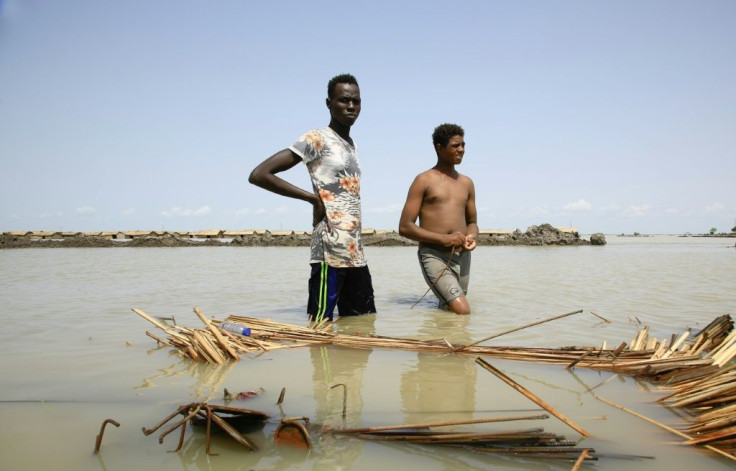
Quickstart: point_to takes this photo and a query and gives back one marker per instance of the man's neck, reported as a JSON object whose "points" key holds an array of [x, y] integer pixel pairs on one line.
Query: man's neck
{"points": [[341, 130], [445, 169]]}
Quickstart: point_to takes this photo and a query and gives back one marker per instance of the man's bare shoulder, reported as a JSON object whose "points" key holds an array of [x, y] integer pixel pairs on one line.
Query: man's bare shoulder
{"points": [[425, 177], [464, 179]]}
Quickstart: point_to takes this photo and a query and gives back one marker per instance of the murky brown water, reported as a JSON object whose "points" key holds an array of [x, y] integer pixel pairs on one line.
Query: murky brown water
{"points": [[73, 354]]}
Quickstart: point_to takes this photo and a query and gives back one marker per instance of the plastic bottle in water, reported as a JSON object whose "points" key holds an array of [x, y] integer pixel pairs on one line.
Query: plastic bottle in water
{"points": [[235, 328]]}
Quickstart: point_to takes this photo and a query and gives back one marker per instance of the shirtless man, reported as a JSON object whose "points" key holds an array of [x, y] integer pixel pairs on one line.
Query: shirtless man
{"points": [[444, 202]]}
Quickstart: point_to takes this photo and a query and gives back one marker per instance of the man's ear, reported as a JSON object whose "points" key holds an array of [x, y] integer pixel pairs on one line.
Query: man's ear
{"points": [[327, 102]]}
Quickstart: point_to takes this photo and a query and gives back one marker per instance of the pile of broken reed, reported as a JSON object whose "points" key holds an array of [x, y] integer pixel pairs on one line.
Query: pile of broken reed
{"points": [[645, 357], [698, 367], [528, 443], [709, 396]]}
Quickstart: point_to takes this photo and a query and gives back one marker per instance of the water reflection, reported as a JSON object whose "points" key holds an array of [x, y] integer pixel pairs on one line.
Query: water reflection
{"points": [[208, 378], [451, 395], [338, 366]]}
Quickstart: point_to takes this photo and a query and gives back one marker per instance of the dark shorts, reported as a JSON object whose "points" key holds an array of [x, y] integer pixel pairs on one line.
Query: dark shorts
{"points": [[350, 289]]}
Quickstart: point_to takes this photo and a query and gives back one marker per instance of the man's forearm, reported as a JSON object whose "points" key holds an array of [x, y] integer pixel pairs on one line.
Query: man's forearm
{"points": [[473, 229]]}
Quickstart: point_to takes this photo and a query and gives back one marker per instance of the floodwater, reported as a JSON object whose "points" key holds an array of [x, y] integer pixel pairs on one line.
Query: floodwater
{"points": [[74, 354]]}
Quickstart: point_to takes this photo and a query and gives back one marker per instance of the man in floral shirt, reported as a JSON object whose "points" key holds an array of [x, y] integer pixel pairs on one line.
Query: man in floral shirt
{"points": [[339, 274]]}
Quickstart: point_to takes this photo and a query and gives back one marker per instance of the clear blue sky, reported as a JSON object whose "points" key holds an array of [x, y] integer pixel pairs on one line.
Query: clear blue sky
{"points": [[611, 116]]}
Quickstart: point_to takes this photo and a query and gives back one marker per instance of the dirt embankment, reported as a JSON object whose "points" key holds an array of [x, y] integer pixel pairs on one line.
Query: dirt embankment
{"points": [[544, 234]]}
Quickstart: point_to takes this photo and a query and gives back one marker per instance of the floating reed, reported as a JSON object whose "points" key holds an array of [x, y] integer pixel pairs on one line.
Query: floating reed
{"points": [[530, 443], [680, 357], [698, 368], [531, 396]]}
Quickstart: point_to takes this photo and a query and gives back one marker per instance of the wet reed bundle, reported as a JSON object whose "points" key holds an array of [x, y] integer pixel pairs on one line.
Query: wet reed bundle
{"points": [[660, 360], [529, 443], [648, 357], [711, 404], [698, 368], [210, 344]]}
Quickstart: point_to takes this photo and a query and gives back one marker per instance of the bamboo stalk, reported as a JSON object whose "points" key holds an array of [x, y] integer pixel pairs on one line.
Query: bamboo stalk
{"points": [[192, 352], [704, 384], [216, 333], [439, 424], [150, 319], [153, 321], [676, 345], [518, 328], [450, 439], [582, 357], [663, 426], [600, 317], [724, 356], [201, 350], [640, 338], [458, 438], [619, 349], [718, 412], [694, 384], [531, 396], [693, 399], [711, 437], [713, 424], [215, 354], [660, 350], [536, 449], [158, 339], [717, 326], [727, 342], [707, 343], [583, 456]]}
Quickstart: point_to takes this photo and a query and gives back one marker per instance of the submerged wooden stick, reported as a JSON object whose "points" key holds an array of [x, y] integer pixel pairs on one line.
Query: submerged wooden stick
{"points": [[531, 396], [157, 339], [516, 329], [583, 456], [582, 357], [717, 435], [440, 424], [663, 426], [600, 317], [153, 321]]}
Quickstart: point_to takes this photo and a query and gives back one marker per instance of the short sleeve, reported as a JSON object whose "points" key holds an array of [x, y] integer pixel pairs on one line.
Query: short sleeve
{"points": [[310, 146]]}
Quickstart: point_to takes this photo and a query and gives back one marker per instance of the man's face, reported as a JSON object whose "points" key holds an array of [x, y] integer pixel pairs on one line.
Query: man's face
{"points": [[345, 103], [453, 152]]}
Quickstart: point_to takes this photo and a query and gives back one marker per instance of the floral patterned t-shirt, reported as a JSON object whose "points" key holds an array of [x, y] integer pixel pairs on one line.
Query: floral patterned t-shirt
{"points": [[335, 172]]}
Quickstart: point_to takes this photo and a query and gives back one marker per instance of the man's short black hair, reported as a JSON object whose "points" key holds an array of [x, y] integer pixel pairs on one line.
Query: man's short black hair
{"points": [[342, 78], [444, 132]]}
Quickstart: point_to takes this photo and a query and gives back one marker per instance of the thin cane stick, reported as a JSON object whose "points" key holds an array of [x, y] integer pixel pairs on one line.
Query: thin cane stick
{"points": [[463, 347], [665, 427], [384, 428], [531, 396], [579, 462]]}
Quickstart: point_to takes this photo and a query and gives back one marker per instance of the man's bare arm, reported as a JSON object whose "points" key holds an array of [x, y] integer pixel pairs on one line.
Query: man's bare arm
{"points": [[264, 176], [407, 222], [471, 218]]}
